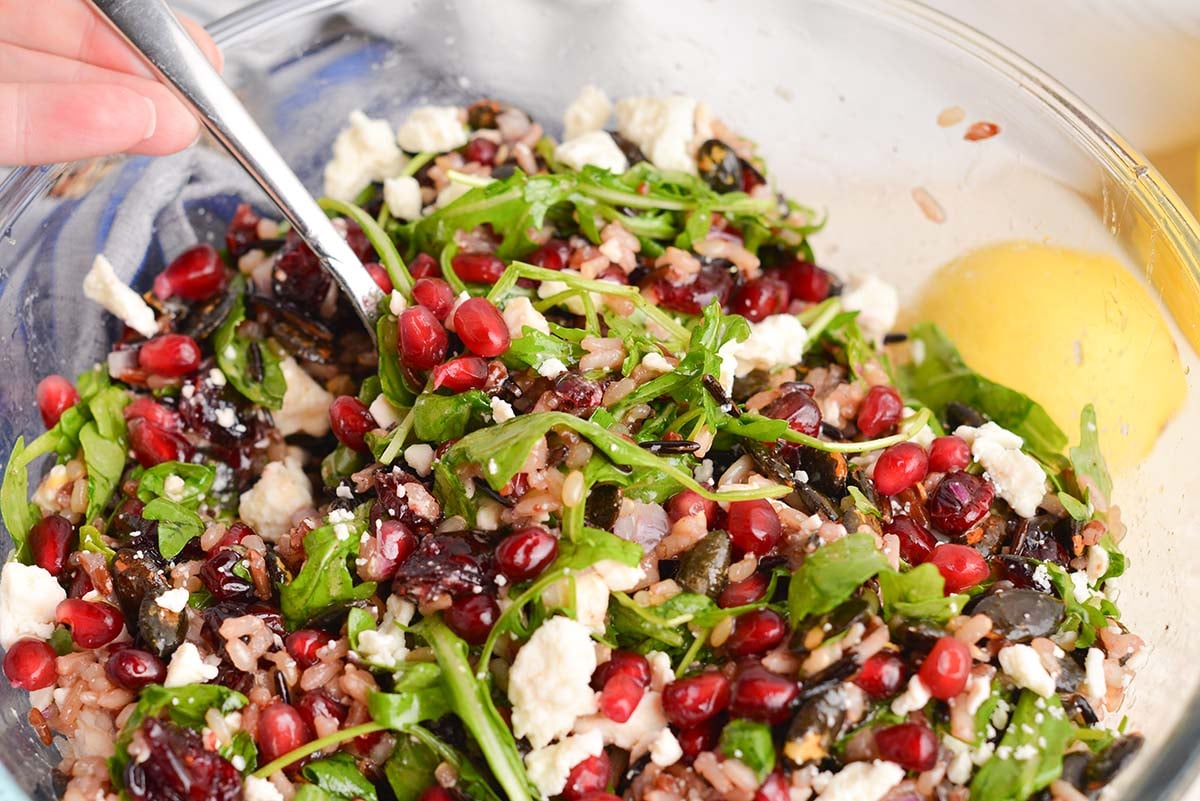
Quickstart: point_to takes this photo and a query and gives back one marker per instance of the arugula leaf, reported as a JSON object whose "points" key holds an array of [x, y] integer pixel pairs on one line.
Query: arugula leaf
{"points": [[341, 463], [439, 418], [918, 594], [391, 375], [1085, 618], [1075, 508], [241, 745], [862, 503], [339, 776], [844, 332], [324, 582], [750, 743], [1030, 754], [470, 781], [400, 710], [89, 540], [400, 277], [410, 768], [533, 348], [177, 525], [19, 514], [1086, 458], [104, 444], [90, 382], [832, 573], [197, 481], [233, 357]]}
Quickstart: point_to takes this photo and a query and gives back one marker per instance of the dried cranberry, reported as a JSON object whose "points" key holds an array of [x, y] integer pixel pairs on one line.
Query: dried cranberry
{"points": [[577, 395], [553, 255], [304, 644], [759, 694], [298, 277], [195, 274], [435, 295], [281, 729], [882, 675], [754, 526], [55, 395], [350, 421], [712, 282], [92, 624], [807, 281], [420, 338], [170, 355], [132, 669], [424, 266], [961, 566], [220, 575], [242, 231], [481, 328], [589, 776], [441, 565], [695, 699], [51, 541], [899, 467], [690, 502], [949, 453], [319, 704], [379, 275], [477, 268], [916, 541], [756, 632], [747, 591], [625, 663], [29, 664], [959, 501], [799, 409], [912, 746], [472, 617], [946, 669], [179, 768], [759, 298], [1035, 539], [880, 410], [482, 150], [524, 554]]}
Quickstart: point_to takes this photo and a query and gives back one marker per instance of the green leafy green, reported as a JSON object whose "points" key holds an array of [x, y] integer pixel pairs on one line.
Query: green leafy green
{"points": [[533, 348], [403, 709], [1086, 458], [341, 463], [104, 444], [1030, 754], [750, 743], [438, 418], [391, 376], [389, 257], [89, 540], [233, 351], [832, 573], [410, 768], [177, 525], [325, 582], [918, 594], [241, 745], [339, 776], [19, 514], [862, 503], [1086, 618], [197, 481], [1075, 508]]}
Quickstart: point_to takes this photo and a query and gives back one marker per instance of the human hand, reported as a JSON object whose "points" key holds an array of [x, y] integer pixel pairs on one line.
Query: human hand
{"points": [[71, 88]]}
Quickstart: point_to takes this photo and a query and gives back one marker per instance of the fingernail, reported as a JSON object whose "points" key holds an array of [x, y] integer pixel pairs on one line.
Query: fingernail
{"points": [[152, 125]]}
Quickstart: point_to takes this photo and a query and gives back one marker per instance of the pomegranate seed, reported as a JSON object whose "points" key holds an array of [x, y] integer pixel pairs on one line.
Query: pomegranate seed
{"points": [[756, 632], [477, 268], [946, 669], [132, 669], [912, 746], [524, 554], [482, 150], [280, 730], [424, 266], [916, 542], [55, 395], [753, 526], [880, 411], [170, 355], [395, 543], [882, 675], [807, 281], [620, 696], [759, 694], [959, 501], [481, 328], [145, 409], [51, 541], [600, 796], [589, 776], [217, 574], [774, 788], [196, 274], [694, 740], [304, 644], [949, 453], [961, 566], [29, 664], [379, 275], [695, 699], [799, 409], [747, 591], [553, 255], [318, 704], [351, 420], [622, 663], [437, 794], [92, 624], [421, 340], [472, 617], [900, 467], [688, 503], [759, 298], [435, 295], [461, 374]]}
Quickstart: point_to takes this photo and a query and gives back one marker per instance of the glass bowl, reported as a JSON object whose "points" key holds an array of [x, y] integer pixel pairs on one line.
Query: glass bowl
{"points": [[842, 97]]}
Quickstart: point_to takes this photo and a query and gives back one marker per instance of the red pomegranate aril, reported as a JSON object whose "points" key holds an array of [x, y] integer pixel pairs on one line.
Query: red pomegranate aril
{"points": [[589, 776], [695, 699], [759, 694], [747, 591], [756, 632], [280, 729], [882, 675], [170, 355], [29, 664], [916, 541], [51, 541], [92, 624], [318, 704], [132, 669], [912, 746], [304, 644], [379, 275], [482, 150], [242, 230], [622, 663], [899, 467], [350, 420], [472, 617], [553, 255], [424, 266], [600, 796], [461, 374], [753, 526], [945, 671], [420, 339], [880, 411], [961, 566], [196, 274], [774, 788], [807, 281], [620, 696], [55, 395], [437, 794], [477, 268], [435, 295], [759, 298], [525, 553], [396, 542], [948, 453], [959, 501], [145, 409], [481, 328], [689, 502], [695, 740], [799, 409]]}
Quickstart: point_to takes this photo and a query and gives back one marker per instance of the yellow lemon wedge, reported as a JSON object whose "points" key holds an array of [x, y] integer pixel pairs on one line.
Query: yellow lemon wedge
{"points": [[1067, 328]]}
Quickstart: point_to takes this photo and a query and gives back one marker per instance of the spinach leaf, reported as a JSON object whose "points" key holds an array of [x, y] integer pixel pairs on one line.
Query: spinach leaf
{"points": [[470, 781], [197, 481], [391, 376], [400, 710], [325, 582], [410, 768], [533, 348], [1030, 754], [311, 792], [750, 743], [832, 573], [105, 460], [438, 418], [341, 463], [918, 594], [339, 776], [233, 351], [177, 525], [1086, 458]]}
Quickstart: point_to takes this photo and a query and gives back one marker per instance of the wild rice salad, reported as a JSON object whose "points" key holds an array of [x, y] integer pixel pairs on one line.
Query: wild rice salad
{"points": [[629, 500]]}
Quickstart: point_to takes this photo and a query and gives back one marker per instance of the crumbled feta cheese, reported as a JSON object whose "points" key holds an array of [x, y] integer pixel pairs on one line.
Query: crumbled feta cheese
{"points": [[173, 487], [343, 491], [386, 647], [1095, 685], [29, 595], [102, 285], [1024, 666], [661, 673], [385, 414], [657, 362], [216, 377], [501, 410], [586, 592], [665, 750], [548, 683], [1019, 479], [363, 152], [341, 519], [776, 341], [862, 781], [281, 492], [305, 403], [187, 667], [588, 112], [876, 302], [397, 303], [450, 193], [549, 767], [663, 129], [519, 313], [635, 735], [573, 304], [175, 600], [914, 697], [419, 457], [1097, 562], [618, 577], [256, 789], [403, 197], [551, 368], [1080, 588], [226, 417], [432, 129], [596, 148]]}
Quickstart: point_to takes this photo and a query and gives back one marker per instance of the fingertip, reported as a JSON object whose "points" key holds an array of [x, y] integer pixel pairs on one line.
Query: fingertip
{"points": [[175, 126]]}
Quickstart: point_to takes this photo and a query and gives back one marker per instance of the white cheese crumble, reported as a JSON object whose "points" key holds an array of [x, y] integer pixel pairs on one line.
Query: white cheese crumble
{"points": [[862, 781], [1019, 479], [216, 377], [548, 683], [187, 667], [226, 417], [102, 285], [1095, 685], [665, 750], [876, 302], [549, 767], [596, 148], [363, 152], [305, 403], [502, 411], [1024, 666], [256, 789], [268, 506], [173, 487], [636, 735], [914, 697], [386, 415], [776, 341], [588, 112], [419, 457], [573, 304], [175, 600], [432, 129], [386, 647], [403, 197], [519, 313], [551, 368], [29, 596], [663, 129], [340, 519]]}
